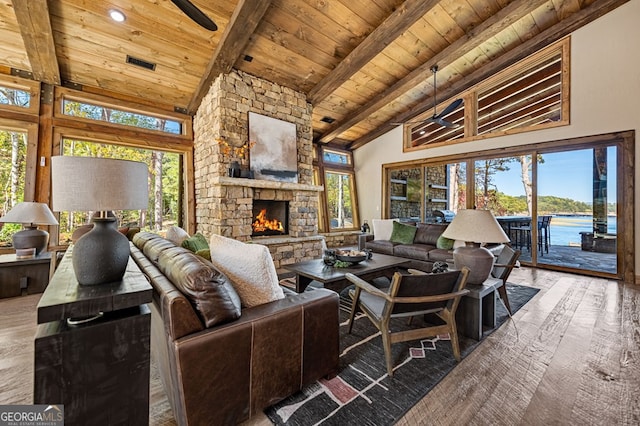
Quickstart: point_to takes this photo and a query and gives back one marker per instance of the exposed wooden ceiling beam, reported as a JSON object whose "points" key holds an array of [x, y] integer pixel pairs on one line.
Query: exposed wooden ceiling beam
{"points": [[397, 23], [474, 38], [243, 23], [35, 28], [551, 35]]}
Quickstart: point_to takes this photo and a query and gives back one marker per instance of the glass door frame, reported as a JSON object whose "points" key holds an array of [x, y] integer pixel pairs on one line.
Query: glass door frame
{"points": [[625, 189]]}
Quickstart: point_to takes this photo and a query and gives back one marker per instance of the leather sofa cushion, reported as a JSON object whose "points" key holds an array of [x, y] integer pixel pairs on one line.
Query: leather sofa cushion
{"points": [[178, 316], [381, 246], [428, 233], [440, 255], [413, 251], [209, 290]]}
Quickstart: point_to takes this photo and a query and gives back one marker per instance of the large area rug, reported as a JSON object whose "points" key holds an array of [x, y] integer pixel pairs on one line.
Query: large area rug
{"points": [[363, 393]]}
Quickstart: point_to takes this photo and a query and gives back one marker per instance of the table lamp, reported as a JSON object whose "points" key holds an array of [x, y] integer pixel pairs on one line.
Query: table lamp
{"points": [[99, 184], [30, 215], [475, 227]]}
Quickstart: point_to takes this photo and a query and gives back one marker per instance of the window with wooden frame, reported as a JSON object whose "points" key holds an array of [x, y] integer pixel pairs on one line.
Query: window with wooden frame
{"points": [[101, 109], [338, 205], [17, 94], [530, 95]]}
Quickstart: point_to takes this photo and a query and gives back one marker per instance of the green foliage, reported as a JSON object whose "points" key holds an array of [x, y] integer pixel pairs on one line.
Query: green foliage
{"points": [[126, 118], [506, 205], [170, 187], [6, 233], [339, 205]]}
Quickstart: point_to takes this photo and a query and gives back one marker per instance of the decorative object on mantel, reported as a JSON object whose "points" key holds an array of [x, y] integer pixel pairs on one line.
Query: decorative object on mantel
{"points": [[275, 156], [226, 148], [31, 215], [99, 184]]}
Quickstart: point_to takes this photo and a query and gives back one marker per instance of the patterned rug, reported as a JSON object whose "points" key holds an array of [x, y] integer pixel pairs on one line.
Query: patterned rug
{"points": [[363, 393]]}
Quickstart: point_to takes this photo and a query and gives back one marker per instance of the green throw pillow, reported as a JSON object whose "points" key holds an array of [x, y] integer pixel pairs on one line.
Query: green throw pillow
{"points": [[205, 253], [195, 243], [403, 234], [444, 243]]}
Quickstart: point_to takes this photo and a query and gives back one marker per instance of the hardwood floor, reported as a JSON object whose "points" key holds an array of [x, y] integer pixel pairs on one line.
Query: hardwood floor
{"points": [[569, 356]]}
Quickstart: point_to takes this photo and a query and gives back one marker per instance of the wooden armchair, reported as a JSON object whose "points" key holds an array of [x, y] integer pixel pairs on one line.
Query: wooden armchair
{"points": [[505, 263], [408, 296]]}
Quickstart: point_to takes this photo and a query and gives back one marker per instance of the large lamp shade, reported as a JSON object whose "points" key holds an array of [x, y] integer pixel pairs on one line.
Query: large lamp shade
{"points": [[475, 227], [99, 184], [30, 214]]}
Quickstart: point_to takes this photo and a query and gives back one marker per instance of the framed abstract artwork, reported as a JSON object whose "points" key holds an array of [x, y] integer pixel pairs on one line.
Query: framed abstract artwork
{"points": [[274, 155]]}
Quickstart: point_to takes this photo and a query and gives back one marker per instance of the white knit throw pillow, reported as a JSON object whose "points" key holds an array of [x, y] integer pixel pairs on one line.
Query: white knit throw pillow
{"points": [[382, 228], [249, 267]]}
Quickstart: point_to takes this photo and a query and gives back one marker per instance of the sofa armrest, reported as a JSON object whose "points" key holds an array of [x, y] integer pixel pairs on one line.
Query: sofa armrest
{"points": [[269, 353]]}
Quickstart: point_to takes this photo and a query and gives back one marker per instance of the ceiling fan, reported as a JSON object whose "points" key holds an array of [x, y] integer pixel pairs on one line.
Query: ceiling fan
{"points": [[195, 14], [438, 118]]}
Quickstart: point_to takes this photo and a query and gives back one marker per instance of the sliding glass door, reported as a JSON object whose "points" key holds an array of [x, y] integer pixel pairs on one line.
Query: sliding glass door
{"points": [[565, 204], [577, 209]]}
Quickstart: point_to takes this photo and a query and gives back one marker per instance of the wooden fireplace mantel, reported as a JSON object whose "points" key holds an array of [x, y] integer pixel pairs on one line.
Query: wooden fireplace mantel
{"points": [[269, 184]]}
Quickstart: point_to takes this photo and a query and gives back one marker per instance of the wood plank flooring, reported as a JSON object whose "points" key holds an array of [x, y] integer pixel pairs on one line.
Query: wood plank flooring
{"points": [[570, 356]]}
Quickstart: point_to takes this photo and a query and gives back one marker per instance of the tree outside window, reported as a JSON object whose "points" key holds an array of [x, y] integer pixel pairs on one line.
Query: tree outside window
{"points": [[339, 193]]}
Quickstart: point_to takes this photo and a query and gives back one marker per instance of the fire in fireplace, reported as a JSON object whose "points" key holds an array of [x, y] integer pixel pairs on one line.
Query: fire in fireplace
{"points": [[270, 217]]}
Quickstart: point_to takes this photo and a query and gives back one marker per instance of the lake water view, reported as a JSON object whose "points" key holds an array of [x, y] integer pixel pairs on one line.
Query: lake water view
{"points": [[565, 230]]}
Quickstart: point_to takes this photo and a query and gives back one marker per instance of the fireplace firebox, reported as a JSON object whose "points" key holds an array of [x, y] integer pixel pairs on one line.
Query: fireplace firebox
{"points": [[270, 217]]}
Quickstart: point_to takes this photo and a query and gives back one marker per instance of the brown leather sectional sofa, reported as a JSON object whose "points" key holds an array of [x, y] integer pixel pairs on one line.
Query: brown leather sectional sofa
{"points": [[244, 360], [423, 252]]}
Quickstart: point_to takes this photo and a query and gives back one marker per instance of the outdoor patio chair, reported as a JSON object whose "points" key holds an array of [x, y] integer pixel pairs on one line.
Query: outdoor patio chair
{"points": [[408, 296]]}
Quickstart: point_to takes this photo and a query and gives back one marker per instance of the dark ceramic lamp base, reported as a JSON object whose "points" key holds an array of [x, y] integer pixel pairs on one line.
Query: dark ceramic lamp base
{"points": [[101, 255], [31, 237], [479, 260]]}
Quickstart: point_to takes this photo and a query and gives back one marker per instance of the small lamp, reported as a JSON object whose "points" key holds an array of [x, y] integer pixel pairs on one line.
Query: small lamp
{"points": [[31, 215], [475, 227], [99, 184]]}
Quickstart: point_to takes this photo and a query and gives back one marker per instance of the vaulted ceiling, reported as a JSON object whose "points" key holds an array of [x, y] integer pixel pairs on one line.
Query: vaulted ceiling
{"points": [[364, 64]]}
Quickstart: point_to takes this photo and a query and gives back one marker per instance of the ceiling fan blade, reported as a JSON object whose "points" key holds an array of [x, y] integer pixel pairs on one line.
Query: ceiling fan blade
{"points": [[451, 107], [445, 123], [195, 14]]}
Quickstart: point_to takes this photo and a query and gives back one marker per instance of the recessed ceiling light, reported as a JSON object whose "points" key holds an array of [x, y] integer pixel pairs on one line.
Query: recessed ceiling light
{"points": [[116, 15]]}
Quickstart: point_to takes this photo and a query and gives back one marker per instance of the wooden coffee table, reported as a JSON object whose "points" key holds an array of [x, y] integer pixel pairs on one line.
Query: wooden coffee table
{"points": [[334, 278]]}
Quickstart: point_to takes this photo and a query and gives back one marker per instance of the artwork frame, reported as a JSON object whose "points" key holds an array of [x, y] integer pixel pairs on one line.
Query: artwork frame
{"points": [[275, 153]]}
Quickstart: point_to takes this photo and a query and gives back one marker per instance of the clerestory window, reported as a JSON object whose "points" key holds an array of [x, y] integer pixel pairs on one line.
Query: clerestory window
{"points": [[533, 94]]}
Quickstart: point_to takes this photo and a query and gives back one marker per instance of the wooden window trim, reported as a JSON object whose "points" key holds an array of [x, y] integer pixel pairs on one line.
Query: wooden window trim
{"points": [[324, 167], [63, 93], [30, 86], [188, 174], [31, 160], [624, 141], [470, 97]]}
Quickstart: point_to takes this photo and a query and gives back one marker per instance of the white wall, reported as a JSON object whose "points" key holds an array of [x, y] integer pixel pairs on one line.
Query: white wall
{"points": [[605, 97]]}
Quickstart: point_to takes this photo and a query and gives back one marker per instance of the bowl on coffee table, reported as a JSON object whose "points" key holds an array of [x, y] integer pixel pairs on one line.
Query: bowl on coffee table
{"points": [[351, 256]]}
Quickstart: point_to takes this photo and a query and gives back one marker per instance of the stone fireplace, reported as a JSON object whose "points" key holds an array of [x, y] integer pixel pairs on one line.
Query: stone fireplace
{"points": [[225, 205]]}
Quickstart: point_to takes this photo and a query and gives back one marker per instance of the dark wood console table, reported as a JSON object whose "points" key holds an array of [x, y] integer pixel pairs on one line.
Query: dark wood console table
{"points": [[99, 369], [18, 275]]}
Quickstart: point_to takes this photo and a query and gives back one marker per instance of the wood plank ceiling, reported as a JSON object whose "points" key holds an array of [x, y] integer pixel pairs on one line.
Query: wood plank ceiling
{"points": [[363, 63]]}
